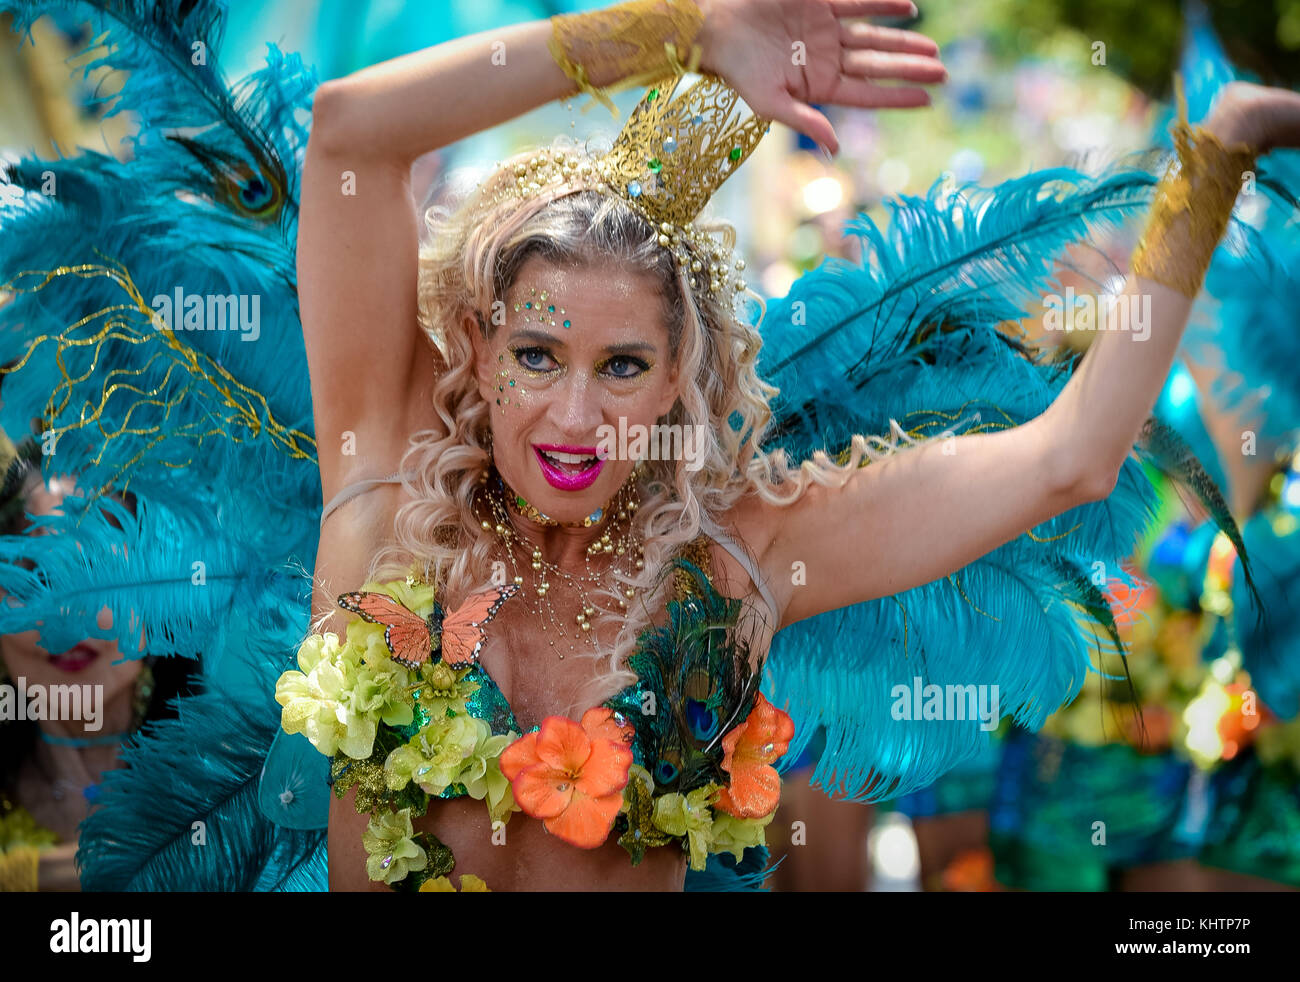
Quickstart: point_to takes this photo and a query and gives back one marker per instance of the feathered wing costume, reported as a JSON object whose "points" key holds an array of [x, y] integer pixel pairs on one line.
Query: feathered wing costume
{"points": [[211, 432], [204, 428]]}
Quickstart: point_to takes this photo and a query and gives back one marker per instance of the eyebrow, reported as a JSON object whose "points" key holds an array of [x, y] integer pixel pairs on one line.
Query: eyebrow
{"points": [[629, 347]]}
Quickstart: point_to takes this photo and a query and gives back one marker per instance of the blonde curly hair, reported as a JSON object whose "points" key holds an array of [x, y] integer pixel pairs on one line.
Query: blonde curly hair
{"points": [[474, 251]]}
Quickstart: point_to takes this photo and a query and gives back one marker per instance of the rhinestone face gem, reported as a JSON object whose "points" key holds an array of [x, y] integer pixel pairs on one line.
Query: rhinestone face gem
{"points": [[656, 165], [735, 153], [634, 188], [670, 144], [386, 862]]}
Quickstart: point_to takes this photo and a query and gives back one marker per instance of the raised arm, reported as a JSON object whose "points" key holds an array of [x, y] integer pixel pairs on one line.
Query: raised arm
{"points": [[926, 513], [358, 238], [357, 243]]}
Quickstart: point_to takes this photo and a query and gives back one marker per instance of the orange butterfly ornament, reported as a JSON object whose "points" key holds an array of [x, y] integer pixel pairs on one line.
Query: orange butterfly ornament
{"points": [[413, 639]]}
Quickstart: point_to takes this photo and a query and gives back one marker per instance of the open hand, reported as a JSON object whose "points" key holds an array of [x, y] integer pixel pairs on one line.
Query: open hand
{"points": [[782, 55], [1263, 117]]}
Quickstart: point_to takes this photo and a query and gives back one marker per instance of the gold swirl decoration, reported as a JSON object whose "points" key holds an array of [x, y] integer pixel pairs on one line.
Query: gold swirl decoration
{"points": [[237, 411]]}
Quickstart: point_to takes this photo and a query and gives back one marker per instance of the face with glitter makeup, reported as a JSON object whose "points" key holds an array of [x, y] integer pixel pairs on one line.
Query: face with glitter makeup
{"points": [[550, 388]]}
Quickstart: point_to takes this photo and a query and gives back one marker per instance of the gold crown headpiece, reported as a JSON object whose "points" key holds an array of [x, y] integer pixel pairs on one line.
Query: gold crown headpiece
{"points": [[673, 153]]}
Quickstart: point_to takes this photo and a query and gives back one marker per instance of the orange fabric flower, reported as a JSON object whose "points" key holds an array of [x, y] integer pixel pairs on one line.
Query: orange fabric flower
{"points": [[571, 775], [749, 751]]}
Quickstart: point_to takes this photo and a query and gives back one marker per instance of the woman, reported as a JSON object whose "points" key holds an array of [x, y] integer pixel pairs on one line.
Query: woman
{"points": [[474, 393], [50, 769]]}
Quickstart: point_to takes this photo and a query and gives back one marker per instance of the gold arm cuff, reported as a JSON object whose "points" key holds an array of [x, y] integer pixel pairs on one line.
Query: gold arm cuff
{"points": [[631, 44], [1192, 207]]}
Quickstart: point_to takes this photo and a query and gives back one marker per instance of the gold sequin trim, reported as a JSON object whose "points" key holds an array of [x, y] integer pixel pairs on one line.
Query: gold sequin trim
{"points": [[630, 44], [696, 551], [1192, 207]]}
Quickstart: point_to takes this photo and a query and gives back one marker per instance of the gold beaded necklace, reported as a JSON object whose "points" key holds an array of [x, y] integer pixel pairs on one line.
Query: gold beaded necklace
{"points": [[625, 544]]}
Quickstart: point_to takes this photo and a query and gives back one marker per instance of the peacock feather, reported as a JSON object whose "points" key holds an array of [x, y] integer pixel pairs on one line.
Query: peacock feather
{"points": [[700, 663]]}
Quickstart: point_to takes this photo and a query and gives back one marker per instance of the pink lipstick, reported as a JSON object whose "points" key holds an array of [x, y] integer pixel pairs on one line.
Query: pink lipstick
{"points": [[75, 659], [568, 468]]}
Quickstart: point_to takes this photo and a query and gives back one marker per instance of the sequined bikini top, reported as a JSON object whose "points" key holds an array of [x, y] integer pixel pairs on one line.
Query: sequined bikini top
{"points": [[489, 703]]}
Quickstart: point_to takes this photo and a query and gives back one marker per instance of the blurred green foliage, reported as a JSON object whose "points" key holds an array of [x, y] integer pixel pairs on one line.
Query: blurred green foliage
{"points": [[1143, 38]]}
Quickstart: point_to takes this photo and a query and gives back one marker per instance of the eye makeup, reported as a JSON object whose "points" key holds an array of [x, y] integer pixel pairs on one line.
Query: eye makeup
{"points": [[522, 352], [645, 367]]}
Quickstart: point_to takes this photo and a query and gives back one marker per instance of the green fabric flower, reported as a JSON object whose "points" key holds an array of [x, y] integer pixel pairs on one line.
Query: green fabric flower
{"points": [[689, 815], [733, 835], [445, 688], [639, 807], [391, 852], [435, 756], [481, 774], [415, 596], [383, 690], [342, 691]]}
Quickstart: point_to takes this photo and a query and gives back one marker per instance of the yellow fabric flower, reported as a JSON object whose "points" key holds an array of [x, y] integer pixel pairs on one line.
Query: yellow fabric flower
{"points": [[19, 830], [733, 835], [689, 815], [391, 852], [317, 701], [469, 883]]}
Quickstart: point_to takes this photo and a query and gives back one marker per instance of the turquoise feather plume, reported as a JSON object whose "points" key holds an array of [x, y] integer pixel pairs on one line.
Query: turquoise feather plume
{"points": [[912, 333], [202, 767], [1246, 314], [210, 431]]}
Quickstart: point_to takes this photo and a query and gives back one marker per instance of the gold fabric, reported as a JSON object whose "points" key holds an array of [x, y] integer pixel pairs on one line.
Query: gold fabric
{"points": [[630, 44], [1192, 208], [696, 551]]}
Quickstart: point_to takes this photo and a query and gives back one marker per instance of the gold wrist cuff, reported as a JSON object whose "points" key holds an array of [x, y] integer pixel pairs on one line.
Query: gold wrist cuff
{"points": [[1191, 210], [629, 45]]}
